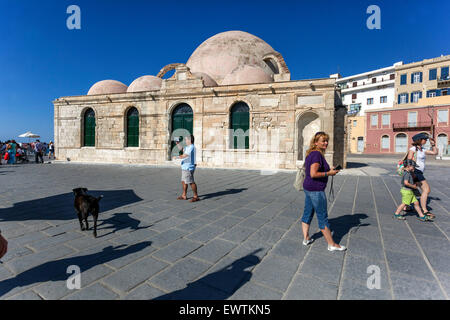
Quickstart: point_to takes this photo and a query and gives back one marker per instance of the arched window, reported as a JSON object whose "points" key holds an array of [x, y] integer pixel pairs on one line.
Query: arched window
{"points": [[133, 127], [182, 125], [89, 128], [240, 123], [401, 143], [385, 142]]}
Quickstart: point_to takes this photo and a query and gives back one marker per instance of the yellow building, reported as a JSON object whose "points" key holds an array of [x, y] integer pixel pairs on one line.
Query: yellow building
{"points": [[356, 132]]}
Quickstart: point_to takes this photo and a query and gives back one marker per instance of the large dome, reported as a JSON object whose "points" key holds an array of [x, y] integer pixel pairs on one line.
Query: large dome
{"points": [[107, 87], [145, 83], [221, 54]]}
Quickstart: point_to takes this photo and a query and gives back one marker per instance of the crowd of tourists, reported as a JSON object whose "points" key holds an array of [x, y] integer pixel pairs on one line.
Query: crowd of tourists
{"points": [[12, 152]]}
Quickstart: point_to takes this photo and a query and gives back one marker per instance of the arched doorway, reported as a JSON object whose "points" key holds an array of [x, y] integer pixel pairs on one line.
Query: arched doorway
{"points": [[240, 123], [182, 125], [442, 143], [307, 125], [401, 143], [89, 128], [133, 127]]}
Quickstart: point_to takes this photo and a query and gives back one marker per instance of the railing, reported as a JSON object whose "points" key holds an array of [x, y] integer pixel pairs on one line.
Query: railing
{"points": [[411, 125]]}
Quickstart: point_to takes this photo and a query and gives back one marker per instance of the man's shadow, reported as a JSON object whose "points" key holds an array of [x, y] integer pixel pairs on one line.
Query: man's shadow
{"points": [[219, 285], [120, 221], [342, 225], [56, 270], [222, 193]]}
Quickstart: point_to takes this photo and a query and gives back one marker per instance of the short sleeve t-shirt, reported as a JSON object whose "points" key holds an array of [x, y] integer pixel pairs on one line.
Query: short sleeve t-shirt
{"points": [[188, 163], [420, 161], [317, 184], [408, 176]]}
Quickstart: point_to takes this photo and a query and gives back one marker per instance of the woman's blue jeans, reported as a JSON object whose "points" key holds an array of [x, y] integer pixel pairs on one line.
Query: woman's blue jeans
{"points": [[316, 201]]}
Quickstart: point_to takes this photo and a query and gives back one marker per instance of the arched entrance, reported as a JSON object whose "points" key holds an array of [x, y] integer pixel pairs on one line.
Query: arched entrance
{"points": [[182, 125], [307, 125], [401, 143]]}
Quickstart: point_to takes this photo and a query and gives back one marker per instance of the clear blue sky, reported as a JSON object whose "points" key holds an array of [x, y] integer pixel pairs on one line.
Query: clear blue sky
{"points": [[41, 60]]}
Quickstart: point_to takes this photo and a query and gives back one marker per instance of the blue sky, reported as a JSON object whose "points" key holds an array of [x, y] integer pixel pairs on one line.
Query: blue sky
{"points": [[41, 60]]}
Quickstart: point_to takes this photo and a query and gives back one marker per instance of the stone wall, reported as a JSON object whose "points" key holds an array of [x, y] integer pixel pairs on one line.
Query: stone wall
{"points": [[275, 110]]}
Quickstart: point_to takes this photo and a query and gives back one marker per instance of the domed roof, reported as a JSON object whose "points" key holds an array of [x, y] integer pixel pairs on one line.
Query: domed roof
{"points": [[145, 83], [219, 55], [207, 80], [246, 75], [107, 86]]}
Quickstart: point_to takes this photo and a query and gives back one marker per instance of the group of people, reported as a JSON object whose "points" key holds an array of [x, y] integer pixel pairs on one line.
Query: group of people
{"points": [[12, 152]]}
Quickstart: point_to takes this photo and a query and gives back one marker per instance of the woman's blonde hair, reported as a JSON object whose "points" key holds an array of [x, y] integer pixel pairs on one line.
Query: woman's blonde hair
{"points": [[314, 139]]}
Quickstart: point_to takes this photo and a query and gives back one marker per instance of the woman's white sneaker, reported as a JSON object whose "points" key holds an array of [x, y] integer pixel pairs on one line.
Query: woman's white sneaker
{"points": [[333, 248], [307, 242]]}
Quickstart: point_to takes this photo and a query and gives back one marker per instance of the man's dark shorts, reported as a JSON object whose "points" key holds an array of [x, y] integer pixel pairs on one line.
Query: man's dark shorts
{"points": [[419, 175]]}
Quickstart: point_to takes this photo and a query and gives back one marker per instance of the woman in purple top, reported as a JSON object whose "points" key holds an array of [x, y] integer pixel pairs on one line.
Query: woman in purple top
{"points": [[317, 171]]}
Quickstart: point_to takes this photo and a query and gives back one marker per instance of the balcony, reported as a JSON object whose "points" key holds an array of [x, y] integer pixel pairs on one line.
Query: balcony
{"points": [[443, 82], [411, 126]]}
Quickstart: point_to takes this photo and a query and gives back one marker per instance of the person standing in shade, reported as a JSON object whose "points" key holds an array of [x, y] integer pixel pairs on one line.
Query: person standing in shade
{"points": [[188, 165], [418, 154], [317, 172]]}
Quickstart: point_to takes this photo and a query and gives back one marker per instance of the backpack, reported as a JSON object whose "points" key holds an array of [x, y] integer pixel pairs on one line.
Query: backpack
{"points": [[400, 163]]}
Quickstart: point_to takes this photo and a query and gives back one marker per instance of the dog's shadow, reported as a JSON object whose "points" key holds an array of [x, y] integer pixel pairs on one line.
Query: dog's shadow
{"points": [[120, 221]]}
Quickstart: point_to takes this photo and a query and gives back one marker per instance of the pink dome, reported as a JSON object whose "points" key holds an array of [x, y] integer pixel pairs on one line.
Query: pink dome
{"points": [[219, 55], [145, 83], [247, 75], [207, 80], [107, 87]]}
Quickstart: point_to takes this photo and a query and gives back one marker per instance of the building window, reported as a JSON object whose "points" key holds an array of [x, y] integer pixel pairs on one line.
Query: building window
{"points": [[240, 123], [370, 101], [385, 119], [89, 128], [412, 119], [444, 73], [355, 84], [355, 123], [416, 77], [431, 93], [354, 108], [392, 76], [374, 80], [374, 120], [432, 74], [403, 79], [402, 98], [442, 115], [415, 96], [385, 142], [353, 96], [383, 99], [133, 128]]}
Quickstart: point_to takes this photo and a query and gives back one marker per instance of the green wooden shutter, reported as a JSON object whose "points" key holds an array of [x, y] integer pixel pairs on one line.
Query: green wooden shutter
{"points": [[89, 129], [240, 120], [182, 118], [133, 129]]}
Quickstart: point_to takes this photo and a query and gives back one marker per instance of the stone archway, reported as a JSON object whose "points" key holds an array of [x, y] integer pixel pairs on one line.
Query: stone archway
{"points": [[307, 126]]}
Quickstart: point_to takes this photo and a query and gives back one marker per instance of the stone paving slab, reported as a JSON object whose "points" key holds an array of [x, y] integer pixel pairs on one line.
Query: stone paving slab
{"points": [[242, 241]]}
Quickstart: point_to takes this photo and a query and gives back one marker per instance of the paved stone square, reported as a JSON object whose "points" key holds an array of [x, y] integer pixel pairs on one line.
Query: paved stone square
{"points": [[242, 241]]}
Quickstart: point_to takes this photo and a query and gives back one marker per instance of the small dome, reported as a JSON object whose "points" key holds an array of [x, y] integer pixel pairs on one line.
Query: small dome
{"points": [[107, 87], [219, 55], [207, 80], [145, 83], [247, 75]]}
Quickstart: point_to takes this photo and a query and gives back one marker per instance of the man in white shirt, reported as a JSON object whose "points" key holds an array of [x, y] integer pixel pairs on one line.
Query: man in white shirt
{"points": [[188, 165]]}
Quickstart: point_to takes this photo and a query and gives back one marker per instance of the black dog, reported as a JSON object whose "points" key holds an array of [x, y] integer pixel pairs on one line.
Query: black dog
{"points": [[85, 204]]}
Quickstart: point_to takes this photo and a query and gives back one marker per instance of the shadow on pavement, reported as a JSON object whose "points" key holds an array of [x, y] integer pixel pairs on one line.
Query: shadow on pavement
{"points": [[219, 285], [351, 165], [120, 221], [342, 225], [221, 193], [60, 207], [57, 270]]}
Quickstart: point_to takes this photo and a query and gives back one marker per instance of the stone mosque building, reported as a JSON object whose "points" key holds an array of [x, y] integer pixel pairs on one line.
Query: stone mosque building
{"points": [[234, 94]]}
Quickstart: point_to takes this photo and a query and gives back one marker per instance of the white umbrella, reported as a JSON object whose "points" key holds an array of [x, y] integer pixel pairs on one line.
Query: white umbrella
{"points": [[29, 134]]}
